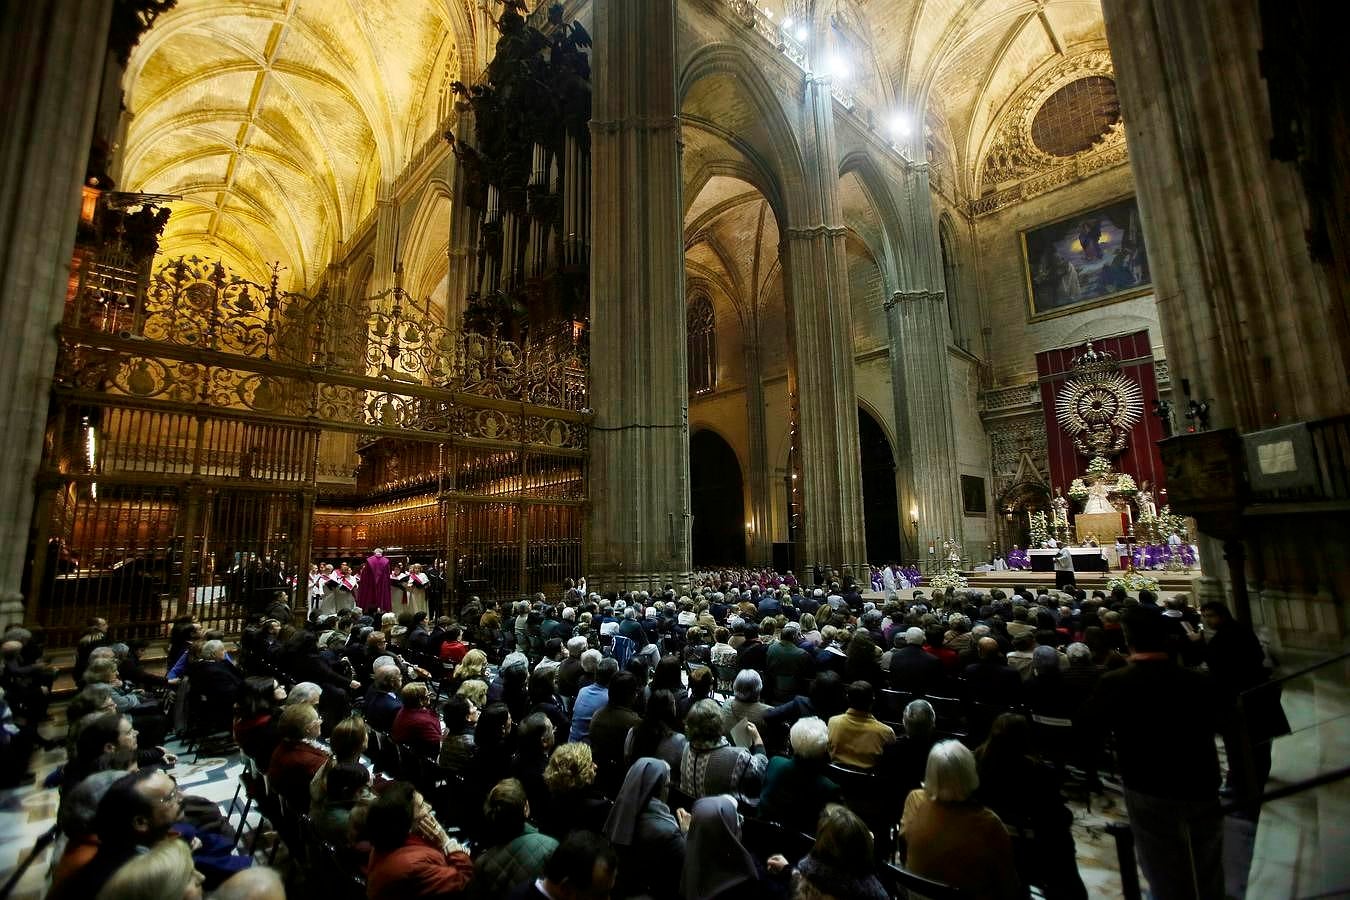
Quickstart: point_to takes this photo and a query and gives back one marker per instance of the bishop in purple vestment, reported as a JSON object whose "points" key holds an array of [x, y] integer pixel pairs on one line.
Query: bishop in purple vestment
{"points": [[373, 589]]}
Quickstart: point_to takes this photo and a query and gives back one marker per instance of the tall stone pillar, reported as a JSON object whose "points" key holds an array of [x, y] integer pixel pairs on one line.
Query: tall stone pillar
{"points": [[1246, 315], [910, 549], [638, 524], [52, 62], [820, 334], [389, 242], [759, 542], [919, 329], [1252, 323], [463, 231]]}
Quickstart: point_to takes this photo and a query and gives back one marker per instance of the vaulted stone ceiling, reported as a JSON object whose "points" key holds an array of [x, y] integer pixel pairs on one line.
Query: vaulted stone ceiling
{"points": [[277, 120], [731, 239], [955, 63], [966, 59]]}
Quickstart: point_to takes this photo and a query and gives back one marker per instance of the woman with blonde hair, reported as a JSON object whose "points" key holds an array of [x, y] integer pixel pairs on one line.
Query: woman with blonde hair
{"points": [[165, 872], [474, 691], [950, 836], [472, 668], [810, 633], [574, 802], [347, 744]]}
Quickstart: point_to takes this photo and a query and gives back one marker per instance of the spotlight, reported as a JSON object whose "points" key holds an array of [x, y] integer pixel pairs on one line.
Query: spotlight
{"points": [[839, 68], [898, 125], [801, 34], [787, 21]]}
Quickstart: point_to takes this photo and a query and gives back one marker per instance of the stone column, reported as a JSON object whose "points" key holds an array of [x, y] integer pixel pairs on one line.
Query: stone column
{"points": [[463, 231], [910, 548], [1250, 321], [52, 61], [1245, 313], [759, 546], [638, 521], [920, 333], [820, 335], [389, 242]]}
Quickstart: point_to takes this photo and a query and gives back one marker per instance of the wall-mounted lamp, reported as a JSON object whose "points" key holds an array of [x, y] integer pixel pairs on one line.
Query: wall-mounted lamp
{"points": [[914, 516], [749, 527]]}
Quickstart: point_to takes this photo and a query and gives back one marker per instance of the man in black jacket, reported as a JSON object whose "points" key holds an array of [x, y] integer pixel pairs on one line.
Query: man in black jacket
{"points": [[992, 680], [1164, 719], [914, 669], [215, 679]]}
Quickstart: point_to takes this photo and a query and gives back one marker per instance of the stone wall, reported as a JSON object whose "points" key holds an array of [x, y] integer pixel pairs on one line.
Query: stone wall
{"points": [[1014, 340]]}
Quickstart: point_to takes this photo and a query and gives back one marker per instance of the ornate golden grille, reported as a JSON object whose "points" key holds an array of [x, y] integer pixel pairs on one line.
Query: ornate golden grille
{"points": [[181, 465]]}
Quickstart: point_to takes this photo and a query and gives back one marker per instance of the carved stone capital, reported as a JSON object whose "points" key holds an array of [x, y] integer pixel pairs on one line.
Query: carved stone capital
{"points": [[635, 123], [908, 297], [814, 231]]}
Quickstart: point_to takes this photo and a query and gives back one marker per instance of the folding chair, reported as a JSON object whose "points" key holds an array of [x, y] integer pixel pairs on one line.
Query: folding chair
{"points": [[904, 883]]}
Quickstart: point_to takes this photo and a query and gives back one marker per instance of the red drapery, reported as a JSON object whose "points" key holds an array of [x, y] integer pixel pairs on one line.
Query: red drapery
{"points": [[1141, 458]]}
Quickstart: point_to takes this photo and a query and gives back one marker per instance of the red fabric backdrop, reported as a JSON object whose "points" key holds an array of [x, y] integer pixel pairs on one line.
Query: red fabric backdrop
{"points": [[1141, 458]]}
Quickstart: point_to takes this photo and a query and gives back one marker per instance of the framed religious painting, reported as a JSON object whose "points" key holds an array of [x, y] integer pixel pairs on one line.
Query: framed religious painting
{"points": [[1089, 259]]}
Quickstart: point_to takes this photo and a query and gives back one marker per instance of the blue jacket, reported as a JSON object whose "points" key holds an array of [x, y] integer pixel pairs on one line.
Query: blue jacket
{"points": [[589, 701]]}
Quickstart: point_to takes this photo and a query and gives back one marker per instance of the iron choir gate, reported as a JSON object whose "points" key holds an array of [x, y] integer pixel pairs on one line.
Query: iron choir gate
{"points": [[210, 436]]}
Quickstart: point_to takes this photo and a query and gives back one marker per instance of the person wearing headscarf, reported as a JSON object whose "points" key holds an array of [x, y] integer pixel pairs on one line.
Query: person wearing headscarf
{"points": [[648, 838], [716, 864]]}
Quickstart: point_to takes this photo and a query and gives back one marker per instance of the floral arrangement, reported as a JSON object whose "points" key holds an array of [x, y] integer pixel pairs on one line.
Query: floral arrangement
{"points": [[1099, 467], [949, 578], [1169, 524], [1040, 530], [1077, 490], [1133, 581], [1125, 485]]}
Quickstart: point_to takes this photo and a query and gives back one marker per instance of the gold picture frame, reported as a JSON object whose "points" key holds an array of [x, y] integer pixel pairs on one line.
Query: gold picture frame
{"points": [[1086, 260]]}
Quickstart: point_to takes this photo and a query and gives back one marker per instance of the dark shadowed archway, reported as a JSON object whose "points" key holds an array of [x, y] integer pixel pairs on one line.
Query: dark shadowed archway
{"points": [[881, 512], [717, 501]]}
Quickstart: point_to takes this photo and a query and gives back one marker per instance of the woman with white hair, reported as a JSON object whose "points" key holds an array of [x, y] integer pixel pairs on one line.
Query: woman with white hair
{"points": [[305, 692], [745, 702], [796, 788], [950, 837]]}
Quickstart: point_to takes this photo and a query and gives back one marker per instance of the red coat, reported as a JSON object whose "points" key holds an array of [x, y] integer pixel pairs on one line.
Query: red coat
{"points": [[419, 727], [292, 769], [416, 870]]}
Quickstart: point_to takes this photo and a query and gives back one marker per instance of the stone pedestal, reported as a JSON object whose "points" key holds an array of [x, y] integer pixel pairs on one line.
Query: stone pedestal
{"points": [[638, 523], [52, 58]]}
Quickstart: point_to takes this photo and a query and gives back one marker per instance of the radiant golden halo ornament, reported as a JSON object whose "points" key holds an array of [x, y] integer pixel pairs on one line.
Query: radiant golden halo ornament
{"points": [[1099, 405]]}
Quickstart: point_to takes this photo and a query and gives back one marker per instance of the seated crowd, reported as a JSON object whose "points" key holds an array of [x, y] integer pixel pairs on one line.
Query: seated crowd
{"points": [[755, 739]]}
